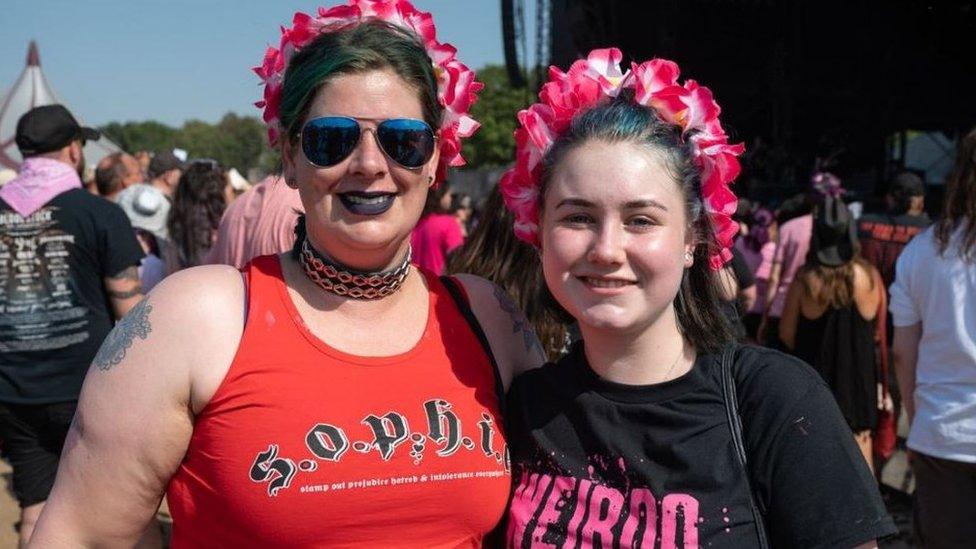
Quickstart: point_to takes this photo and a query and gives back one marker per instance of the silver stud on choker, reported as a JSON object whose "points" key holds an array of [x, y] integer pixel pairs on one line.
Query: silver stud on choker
{"points": [[337, 279]]}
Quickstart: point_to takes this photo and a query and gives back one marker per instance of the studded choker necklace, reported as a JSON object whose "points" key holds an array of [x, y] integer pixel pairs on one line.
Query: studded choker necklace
{"points": [[340, 280]]}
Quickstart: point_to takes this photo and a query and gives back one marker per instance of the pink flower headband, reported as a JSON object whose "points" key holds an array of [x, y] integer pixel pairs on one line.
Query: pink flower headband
{"points": [[456, 86], [655, 84]]}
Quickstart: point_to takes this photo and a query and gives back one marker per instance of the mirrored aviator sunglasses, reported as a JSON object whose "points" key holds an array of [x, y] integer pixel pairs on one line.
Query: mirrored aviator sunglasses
{"points": [[328, 140]]}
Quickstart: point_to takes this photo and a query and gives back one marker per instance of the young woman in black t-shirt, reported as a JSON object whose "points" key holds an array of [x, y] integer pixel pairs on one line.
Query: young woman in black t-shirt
{"points": [[621, 180]]}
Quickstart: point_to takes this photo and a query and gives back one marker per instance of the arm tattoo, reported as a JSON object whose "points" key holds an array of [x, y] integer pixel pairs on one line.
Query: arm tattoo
{"points": [[128, 273], [519, 322], [135, 324]]}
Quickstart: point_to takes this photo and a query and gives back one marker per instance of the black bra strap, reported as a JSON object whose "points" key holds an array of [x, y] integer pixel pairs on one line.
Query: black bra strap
{"points": [[464, 306]]}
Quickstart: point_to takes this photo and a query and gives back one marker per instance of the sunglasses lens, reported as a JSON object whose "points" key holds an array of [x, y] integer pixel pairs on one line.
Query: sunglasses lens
{"points": [[329, 140], [408, 142]]}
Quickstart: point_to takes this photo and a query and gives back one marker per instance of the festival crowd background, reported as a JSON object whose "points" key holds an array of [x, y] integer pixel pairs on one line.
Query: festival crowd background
{"points": [[821, 273]]}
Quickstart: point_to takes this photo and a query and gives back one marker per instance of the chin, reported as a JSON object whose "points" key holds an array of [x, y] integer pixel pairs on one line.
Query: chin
{"points": [[605, 317]]}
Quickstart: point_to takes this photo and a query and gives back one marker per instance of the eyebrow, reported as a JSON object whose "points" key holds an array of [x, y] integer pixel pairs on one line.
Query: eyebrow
{"points": [[632, 205]]}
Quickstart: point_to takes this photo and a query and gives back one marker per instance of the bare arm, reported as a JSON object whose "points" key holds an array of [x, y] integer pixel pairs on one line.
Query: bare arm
{"points": [[774, 273], [747, 297], [135, 415], [511, 336], [904, 349], [791, 314], [771, 287], [124, 290]]}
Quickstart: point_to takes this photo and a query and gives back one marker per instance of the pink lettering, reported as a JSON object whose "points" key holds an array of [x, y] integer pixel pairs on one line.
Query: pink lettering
{"points": [[605, 506], [597, 511], [675, 507], [528, 496], [562, 491], [643, 507], [582, 494]]}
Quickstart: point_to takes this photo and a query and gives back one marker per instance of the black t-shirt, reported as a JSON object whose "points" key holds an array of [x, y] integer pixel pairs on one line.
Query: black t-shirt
{"points": [[54, 311], [884, 236], [603, 464]]}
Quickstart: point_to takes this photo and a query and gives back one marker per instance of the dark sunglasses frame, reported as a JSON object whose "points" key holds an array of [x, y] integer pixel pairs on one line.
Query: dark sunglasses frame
{"points": [[382, 130]]}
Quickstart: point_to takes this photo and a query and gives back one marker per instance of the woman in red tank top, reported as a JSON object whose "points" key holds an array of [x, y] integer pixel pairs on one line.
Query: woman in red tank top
{"points": [[334, 396]]}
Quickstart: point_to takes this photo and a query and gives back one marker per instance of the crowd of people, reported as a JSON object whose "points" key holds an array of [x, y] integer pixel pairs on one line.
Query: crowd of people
{"points": [[611, 350]]}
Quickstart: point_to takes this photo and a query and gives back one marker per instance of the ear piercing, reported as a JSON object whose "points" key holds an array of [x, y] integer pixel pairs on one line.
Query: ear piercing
{"points": [[687, 256]]}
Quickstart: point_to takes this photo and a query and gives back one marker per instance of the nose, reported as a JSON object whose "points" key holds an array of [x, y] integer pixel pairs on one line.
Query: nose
{"points": [[368, 159], [607, 247]]}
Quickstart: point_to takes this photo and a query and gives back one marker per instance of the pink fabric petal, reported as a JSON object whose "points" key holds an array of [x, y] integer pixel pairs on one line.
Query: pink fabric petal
{"points": [[652, 77]]}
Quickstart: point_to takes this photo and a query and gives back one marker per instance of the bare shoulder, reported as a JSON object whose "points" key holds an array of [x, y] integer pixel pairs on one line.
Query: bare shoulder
{"points": [[866, 291], [512, 338], [206, 289], [198, 317]]}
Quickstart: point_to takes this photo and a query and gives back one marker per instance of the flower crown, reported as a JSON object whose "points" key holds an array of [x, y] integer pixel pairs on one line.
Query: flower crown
{"points": [[456, 86], [655, 85]]}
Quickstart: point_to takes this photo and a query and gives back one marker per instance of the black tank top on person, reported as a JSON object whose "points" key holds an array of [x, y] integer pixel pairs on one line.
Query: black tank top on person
{"points": [[839, 344]]}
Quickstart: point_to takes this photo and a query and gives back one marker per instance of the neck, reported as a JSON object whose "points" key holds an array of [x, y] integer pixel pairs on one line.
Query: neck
{"points": [[364, 261], [654, 355]]}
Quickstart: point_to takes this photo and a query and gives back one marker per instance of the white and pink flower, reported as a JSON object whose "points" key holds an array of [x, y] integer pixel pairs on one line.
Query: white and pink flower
{"points": [[457, 88], [655, 84]]}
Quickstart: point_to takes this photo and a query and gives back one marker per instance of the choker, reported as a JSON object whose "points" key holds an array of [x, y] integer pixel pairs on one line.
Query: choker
{"points": [[337, 279]]}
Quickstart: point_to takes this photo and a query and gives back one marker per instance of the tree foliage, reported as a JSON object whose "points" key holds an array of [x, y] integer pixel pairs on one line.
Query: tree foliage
{"points": [[240, 141], [493, 144], [235, 141]]}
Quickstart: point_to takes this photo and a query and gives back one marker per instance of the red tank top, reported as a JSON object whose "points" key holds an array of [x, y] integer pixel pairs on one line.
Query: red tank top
{"points": [[304, 445]]}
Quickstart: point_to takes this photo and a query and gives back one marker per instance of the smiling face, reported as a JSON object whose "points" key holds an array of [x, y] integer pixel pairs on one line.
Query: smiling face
{"points": [[614, 236], [361, 211]]}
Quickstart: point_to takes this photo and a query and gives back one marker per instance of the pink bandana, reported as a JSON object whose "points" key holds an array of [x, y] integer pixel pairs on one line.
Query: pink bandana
{"points": [[39, 180]]}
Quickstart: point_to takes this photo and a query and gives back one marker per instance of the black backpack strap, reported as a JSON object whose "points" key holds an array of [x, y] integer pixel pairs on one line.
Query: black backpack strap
{"points": [[461, 300], [735, 426]]}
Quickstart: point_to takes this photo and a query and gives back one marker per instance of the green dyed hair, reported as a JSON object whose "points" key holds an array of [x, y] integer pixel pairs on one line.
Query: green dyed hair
{"points": [[371, 45]]}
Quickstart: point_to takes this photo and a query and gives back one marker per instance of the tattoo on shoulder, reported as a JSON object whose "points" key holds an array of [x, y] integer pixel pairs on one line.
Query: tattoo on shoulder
{"points": [[519, 322], [135, 324]]}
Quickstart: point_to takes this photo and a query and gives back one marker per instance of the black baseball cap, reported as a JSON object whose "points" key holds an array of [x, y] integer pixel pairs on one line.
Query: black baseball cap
{"points": [[907, 184], [49, 128], [164, 161]]}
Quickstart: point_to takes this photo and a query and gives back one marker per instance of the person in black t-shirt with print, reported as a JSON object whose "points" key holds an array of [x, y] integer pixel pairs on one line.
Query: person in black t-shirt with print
{"points": [[884, 235], [67, 272], [629, 440]]}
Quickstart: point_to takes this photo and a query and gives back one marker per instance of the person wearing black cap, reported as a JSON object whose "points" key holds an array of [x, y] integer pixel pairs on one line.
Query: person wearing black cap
{"points": [[67, 271], [830, 313], [884, 235], [165, 170]]}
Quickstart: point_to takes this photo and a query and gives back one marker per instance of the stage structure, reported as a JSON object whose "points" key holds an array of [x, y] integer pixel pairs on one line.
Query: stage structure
{"points": [[33, 90], [834, 81]]}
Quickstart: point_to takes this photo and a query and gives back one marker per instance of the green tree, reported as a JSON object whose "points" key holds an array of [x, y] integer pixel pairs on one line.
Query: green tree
{"points": [[493, 144], [141, 136], [235, 141]]}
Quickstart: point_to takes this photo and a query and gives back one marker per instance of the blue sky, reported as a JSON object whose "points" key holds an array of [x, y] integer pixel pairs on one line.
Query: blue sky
{"points": [[118, 60]]}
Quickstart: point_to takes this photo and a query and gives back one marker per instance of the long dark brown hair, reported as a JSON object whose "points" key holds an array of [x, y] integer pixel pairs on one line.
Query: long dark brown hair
{"points": [[959, 204], [195, 214], [493, 252]]}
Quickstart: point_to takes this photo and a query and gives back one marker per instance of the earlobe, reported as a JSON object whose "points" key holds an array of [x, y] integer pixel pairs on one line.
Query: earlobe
{"points": [[288, 166], [689, 257]]}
